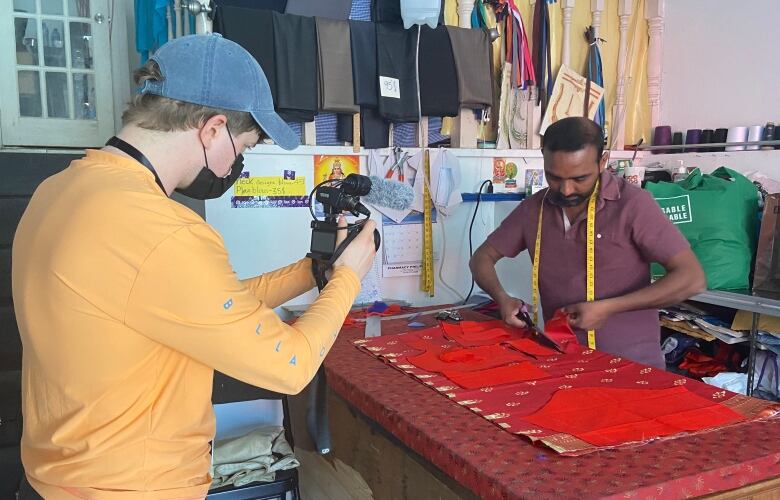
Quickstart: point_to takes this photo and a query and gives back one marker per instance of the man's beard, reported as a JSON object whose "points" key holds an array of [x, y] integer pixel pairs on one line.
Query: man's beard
{"points": [[556, 198]]}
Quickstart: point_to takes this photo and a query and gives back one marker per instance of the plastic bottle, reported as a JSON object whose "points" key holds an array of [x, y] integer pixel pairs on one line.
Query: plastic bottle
{"points": [[680, 172]]}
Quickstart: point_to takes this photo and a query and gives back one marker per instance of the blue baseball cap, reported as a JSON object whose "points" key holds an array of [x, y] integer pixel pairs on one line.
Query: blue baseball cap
{"points": [[213, 71]]}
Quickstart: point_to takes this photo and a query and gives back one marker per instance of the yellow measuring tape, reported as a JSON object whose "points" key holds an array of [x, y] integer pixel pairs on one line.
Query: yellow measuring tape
{"points": [[590, 259], [427, 266]]}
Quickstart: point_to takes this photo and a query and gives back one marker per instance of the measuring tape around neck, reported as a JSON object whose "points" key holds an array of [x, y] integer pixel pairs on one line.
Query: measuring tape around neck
{"points": [[590, 259]]}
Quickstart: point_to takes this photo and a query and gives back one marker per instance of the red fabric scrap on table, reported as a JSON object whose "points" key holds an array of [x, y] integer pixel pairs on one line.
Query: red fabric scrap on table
{"points": [[514, 372], [389, 310], [476, 333], [436, 358], [608, 417]]}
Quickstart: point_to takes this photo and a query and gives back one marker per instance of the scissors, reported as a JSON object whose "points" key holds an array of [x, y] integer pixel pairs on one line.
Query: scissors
{"points": [[398, 164], [524, 316]]}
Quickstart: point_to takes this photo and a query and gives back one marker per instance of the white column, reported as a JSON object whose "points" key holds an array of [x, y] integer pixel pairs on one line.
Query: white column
{"points": [[654, 13], [568, 9], [464, 127], [596, 8], [177, 18], [625, 9]]}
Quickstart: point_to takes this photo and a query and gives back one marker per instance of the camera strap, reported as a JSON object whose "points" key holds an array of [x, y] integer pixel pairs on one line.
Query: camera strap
{"points": [[138, 156]]}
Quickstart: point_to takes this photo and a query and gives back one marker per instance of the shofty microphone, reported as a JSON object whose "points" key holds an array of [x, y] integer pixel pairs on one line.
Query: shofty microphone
{"points": [[390, 194]]}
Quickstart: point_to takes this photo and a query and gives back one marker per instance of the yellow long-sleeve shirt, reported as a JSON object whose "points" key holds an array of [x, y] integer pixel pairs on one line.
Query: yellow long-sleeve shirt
{"points": [[126, 303]]}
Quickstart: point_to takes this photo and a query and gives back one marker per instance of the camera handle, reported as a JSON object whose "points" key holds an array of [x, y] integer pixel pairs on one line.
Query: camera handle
{"points": [[317, 421]]}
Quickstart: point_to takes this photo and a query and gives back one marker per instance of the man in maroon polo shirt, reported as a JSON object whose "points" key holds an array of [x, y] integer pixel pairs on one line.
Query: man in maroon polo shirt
{"points": [[631, 231]]}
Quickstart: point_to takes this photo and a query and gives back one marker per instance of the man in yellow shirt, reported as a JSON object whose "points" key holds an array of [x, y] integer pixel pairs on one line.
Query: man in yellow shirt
{"points": [[126, 300]]}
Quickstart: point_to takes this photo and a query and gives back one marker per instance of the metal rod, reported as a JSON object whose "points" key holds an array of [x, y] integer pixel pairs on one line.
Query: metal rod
{"points": [[714, 145], [752, 354]]}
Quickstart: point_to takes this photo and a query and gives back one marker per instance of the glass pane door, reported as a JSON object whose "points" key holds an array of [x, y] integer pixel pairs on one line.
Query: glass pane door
{"points": [[61, 53]]}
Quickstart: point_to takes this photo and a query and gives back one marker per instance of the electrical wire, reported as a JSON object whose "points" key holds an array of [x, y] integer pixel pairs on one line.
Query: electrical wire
{"points": [[471, 227], [443, 256]]}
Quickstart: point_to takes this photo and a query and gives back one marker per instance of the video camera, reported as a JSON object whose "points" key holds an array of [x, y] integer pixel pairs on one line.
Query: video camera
{"points": [[337, 196]]}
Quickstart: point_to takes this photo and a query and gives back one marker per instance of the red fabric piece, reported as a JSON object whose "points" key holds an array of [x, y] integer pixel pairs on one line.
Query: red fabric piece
{"points": [[515, 372], [609, 417], [436, 359], [391, 310], [701, 365], [474, 333], [558, 330], [485, 457], [528, 346]]}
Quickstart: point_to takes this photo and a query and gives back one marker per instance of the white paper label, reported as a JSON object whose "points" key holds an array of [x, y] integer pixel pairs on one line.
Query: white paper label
{"points": [[389, 87]]}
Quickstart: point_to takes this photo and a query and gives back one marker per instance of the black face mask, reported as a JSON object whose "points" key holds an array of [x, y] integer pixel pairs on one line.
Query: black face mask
{"points": [[207, 185], [556, 198]]}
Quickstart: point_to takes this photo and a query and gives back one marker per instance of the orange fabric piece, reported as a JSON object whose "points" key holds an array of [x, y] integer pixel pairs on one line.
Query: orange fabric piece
{"points": [[610, 417]]}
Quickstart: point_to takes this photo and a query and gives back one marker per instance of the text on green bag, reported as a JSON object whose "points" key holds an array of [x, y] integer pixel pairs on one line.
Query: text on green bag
{"points": [[677, 208]]}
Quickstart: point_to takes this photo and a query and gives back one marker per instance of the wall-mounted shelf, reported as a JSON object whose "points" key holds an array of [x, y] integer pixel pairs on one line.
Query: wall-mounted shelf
{"points": [[745, 301], [686, 147], [468, 197]]}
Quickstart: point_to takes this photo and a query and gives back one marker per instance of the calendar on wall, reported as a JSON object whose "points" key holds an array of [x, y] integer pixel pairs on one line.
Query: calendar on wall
{"points": [[402, 245]]}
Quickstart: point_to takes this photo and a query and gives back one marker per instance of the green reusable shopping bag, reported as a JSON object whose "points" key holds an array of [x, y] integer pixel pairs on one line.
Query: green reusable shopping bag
{"points": [[717, 214]]}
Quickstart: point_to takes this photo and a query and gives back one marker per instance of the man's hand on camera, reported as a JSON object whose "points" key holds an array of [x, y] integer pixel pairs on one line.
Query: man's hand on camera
{"points": [[359, 254]]}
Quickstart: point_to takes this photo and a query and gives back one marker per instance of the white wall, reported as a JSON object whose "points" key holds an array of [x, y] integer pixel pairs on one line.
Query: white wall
{"points": [[720, 63], [259, 240]]}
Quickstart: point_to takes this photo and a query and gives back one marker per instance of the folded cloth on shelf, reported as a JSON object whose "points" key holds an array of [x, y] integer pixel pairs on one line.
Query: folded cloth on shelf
{"points": [[253, 29], [295, 60], [277, 5], [471, 49], [255, 456], [331, 9], [395, 58], [334, 55], [374, 131], [438, 77]]}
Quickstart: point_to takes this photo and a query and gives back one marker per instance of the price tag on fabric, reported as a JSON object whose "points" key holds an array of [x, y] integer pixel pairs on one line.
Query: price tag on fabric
{"points": [[270, 186], [389, 87]]}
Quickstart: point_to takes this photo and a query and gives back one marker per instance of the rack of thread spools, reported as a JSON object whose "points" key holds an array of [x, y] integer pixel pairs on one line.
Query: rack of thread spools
{"points": [[743, 138]]}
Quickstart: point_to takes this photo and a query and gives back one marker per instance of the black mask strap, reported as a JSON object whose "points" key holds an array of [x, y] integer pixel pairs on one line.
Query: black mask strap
{"points": [[138, 156]]}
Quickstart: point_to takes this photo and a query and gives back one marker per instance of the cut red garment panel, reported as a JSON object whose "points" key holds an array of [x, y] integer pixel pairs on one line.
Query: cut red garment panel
{"points": [[475, 333], [610, 417], [558, 330], [528, 346], [515, 372], [463, 360]]}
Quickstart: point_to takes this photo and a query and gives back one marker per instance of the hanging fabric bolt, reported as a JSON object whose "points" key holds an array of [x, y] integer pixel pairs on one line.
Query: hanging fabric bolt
{"points": [[595, 74], [590, 261], [542, 57]]}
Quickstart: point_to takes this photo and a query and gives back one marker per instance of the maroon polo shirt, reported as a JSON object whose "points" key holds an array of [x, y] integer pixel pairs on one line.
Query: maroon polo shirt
{"points": [[631, 232]]}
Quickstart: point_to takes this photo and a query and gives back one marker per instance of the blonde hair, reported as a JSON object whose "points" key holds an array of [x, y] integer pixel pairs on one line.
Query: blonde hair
{"points": [[154, 112]]}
